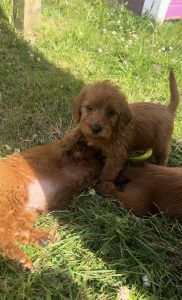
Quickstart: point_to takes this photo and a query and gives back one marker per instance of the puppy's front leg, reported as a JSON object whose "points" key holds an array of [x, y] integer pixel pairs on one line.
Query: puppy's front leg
{"points": [[112, 168], [72, 137], [106, 188]]}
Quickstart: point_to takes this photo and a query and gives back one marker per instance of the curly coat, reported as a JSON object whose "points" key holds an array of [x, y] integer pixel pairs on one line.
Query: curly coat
{"points": [[109, 123], [37, 180], [148, 189]]}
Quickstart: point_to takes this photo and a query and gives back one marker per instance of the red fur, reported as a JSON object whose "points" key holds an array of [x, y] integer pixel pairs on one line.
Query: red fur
{"points": [[149, 189], [37, 180], [124, 127]]}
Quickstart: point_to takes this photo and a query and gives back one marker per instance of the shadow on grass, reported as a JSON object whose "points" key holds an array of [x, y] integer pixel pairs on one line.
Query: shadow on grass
{"points": [[35, 101], [175, 158], [48, 283], [102, 249], [132, 248], [35, 107], [35, 95]]}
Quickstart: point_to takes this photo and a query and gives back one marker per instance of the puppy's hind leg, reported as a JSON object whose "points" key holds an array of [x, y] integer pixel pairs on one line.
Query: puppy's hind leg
{"points": [[161, 153], [135, 197], [9, 247], [42, 237], [28, 234]]}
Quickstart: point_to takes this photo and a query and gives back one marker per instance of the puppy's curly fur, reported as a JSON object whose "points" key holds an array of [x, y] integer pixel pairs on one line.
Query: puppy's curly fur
{"points": [[109, 123], [149, 189], [39, 179]]}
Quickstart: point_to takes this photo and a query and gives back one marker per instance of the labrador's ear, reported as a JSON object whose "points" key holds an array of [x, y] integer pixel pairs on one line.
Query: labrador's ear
{"points": [[76, 109]]}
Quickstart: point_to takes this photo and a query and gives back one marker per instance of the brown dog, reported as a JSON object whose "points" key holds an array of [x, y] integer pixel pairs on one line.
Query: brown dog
{"points": [[117, 128], [38, 179], [149, 189]]}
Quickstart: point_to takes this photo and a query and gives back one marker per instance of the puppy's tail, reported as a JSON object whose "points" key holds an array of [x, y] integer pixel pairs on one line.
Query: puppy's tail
{"points": [[175, 98]]}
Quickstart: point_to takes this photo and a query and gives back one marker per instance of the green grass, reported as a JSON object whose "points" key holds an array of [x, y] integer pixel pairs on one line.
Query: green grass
{"points": [[102, 248]]}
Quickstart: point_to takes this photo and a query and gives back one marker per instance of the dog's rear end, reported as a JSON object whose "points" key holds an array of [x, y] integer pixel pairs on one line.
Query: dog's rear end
{"points": [[159, 188], [149, 189], [153, 124]]}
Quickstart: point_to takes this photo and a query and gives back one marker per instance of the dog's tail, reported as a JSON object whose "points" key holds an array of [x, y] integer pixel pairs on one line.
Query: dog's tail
{"points": [[175, 98]]}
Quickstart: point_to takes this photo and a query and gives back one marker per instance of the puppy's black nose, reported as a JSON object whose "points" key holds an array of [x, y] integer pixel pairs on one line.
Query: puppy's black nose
{"points": [[96, 128]]}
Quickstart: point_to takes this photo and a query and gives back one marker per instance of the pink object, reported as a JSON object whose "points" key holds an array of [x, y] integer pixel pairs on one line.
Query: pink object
{"points": [[174, 10], [159, 9]]}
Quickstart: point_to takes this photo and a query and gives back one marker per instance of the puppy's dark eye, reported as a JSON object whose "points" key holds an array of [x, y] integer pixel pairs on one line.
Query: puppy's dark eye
{"points": [[89, 107], [111, 112]]}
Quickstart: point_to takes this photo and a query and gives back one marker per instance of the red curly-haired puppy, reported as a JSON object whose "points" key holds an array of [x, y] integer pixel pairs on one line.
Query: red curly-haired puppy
{"points": [[36, 180], [109, 123], [148, 189]]}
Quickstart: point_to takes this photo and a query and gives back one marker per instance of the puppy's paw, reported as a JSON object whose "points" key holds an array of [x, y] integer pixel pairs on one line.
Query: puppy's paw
{"points": [[43, 243], [43, 238], [106, 188], [107, 177], [26, 264]]}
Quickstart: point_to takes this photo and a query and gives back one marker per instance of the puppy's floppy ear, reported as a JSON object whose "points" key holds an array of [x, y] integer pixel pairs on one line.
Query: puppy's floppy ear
{"points": [[125, 115], [76, 109]]}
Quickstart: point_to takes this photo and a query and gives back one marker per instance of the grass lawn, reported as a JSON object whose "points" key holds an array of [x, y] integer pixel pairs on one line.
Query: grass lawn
{"points": [[104, 253]]}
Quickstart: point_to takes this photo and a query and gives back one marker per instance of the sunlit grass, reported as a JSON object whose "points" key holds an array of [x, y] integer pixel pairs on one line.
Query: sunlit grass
{"points": [[102, 250]]}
